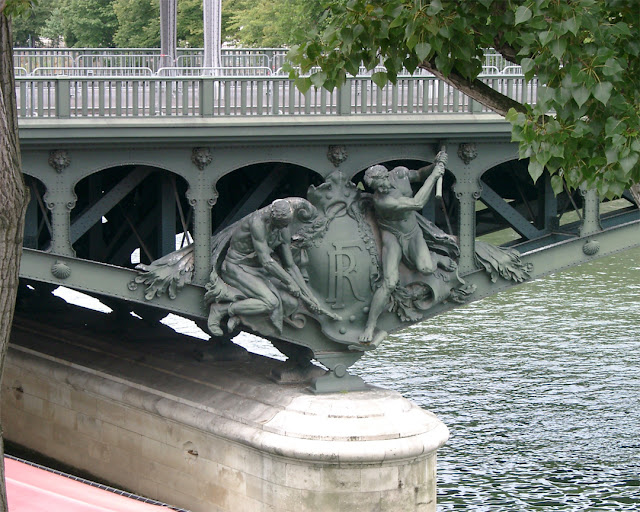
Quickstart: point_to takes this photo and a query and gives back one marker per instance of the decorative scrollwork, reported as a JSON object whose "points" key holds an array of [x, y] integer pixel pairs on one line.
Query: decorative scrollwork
{"points": [[337, 154], [59, 159], [201, 157]]}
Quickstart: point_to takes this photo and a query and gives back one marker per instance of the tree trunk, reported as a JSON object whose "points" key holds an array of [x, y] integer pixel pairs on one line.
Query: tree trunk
{"points": [[635, 192], [13, 203]]}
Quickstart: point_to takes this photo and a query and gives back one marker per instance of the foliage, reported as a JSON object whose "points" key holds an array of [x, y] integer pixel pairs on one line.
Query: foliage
{"points": [[190, 29], [585, 55], [88, 23], [272, 23], [138, 23], [28, 26]]}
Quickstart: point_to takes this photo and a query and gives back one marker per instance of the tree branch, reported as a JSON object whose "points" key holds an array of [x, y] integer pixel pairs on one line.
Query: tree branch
{"points": [[477, 90], [505, 50]]}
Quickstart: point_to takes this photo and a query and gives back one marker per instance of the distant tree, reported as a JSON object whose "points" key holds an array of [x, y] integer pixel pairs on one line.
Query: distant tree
{"points": [[584, 53], [138, 23], [54, 28], [272, 23], [14, 197], [90, 23], [27, 28], [190, 24]]}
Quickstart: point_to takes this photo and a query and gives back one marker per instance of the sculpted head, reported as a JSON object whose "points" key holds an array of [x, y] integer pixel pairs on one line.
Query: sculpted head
{"points": [[281, 213], [377, 178]]}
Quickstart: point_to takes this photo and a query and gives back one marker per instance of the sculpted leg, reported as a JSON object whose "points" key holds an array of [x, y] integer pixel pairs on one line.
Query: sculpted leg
{"points": [[391, 256], [421, 255]]}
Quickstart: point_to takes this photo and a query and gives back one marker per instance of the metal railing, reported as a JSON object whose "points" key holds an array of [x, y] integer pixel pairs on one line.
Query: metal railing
{"points": [[116, 96], [273, 58], [32, 58]]}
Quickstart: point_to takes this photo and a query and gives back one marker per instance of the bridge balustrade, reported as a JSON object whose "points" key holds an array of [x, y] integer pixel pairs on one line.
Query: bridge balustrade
{"points": [[115, 96]]}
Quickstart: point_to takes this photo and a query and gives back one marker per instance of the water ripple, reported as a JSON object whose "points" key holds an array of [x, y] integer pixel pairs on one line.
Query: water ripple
{"points": [[540, 387]]}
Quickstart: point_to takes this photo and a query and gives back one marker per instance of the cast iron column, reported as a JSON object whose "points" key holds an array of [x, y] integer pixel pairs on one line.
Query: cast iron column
{"points": [[168, 21], [212, 33]]}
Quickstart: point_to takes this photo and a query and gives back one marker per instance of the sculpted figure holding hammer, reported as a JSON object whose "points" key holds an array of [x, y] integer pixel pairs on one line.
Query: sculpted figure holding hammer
{"points": [[401, 227]]}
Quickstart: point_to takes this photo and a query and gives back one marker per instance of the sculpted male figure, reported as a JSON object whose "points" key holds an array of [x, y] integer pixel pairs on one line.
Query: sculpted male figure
{"points": [[402, 237], [259, 264]]}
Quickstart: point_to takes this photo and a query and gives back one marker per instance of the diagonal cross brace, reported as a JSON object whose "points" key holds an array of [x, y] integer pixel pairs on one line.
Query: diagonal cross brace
{"points": [[509, 213], [85, 221], [255, 198]]}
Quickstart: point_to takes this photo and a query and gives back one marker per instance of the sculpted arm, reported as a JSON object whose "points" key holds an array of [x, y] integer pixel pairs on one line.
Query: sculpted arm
{"points": [[259, 238], [398, 204], [422, 173]]}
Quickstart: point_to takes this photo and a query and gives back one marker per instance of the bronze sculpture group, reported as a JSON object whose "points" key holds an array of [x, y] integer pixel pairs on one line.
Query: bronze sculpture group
{"points": [[295, 271]]}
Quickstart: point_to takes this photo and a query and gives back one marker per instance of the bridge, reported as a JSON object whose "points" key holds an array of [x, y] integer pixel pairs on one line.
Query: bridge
{"points": [[123, 168]]}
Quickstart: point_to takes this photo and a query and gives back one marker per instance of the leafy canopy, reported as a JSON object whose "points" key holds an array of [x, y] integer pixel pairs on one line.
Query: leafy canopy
{"points": [[585, 54]]}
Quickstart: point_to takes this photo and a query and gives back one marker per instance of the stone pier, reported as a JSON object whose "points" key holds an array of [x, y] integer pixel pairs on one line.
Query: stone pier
{"points": [[211, 436]]}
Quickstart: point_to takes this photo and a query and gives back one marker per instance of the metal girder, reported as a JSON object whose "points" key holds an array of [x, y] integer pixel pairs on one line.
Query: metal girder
{"points": [[94, 214], [509, 213], [103, 279]]}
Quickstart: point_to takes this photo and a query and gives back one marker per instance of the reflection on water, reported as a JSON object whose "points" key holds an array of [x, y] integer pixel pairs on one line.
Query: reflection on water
{"points": [[540, 388]]}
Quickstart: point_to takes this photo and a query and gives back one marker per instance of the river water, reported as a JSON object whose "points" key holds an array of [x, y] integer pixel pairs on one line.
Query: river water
{"points": [[540, 388]]}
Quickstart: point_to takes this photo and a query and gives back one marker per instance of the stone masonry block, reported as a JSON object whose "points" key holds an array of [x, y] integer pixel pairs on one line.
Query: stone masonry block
{"points": [[111, 412], [381, 478]]}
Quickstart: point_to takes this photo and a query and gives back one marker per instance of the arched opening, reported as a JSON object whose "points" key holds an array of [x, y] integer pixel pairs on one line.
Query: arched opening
{"points": [[512, 208], [130, 210], [250, 188], [37, 229], [443, 212]]}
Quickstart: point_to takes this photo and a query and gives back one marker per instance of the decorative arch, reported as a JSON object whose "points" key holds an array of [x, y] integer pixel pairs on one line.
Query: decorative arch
{"points": [[122, 208], [248, 188]]}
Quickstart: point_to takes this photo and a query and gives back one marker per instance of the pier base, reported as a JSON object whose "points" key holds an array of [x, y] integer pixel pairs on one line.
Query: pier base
{"points": [[211, 436]]}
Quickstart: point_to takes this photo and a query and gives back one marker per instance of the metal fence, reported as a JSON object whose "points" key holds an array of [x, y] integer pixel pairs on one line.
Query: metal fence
{"points": [[273, 58], [32, 58], [125, 96]]}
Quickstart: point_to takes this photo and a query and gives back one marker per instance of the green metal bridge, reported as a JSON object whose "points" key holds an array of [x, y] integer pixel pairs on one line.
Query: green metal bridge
{"points": [[119, 166]]}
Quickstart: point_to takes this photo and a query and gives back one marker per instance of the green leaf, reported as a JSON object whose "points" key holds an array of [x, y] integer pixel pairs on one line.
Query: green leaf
{"points": [[557, 184], [397, 22], [611, 67], [303, 83], [572, 25], [422, 51], [613, 126], [580, 95], [523, 13], [435, 6], [612, 155], [558, 47], [602, 92], [545, 36], [380, 79], [535, 169], [628, 163]]}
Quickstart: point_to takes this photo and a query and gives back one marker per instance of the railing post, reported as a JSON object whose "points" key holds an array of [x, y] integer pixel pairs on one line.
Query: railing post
{"points": [[206, 98], [63, 98], [344, 99]]}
